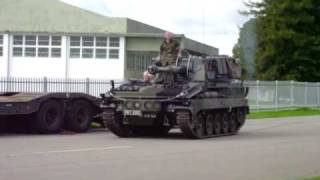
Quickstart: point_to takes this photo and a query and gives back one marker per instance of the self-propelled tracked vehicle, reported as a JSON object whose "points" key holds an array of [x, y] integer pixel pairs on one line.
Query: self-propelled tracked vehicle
{"points": [[202, 96]]}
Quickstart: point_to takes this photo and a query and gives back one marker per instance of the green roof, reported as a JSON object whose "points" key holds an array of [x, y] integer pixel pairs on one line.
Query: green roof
{"points": [[54, 16]]}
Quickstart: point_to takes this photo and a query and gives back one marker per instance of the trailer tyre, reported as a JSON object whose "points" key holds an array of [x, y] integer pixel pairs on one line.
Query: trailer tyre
{"points": [[79, 116], [49, 118]]}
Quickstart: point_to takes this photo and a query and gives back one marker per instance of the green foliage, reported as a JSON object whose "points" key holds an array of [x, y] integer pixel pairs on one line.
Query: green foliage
{"points": [[288, 35]]}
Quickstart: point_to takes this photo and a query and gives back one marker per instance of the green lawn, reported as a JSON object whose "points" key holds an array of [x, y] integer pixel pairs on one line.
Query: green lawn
{"points": [[284, 113], [314, 178]]}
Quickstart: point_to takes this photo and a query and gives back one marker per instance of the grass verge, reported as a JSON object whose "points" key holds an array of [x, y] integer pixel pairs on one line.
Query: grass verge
{"points": [[314, 178], [284, 113]]}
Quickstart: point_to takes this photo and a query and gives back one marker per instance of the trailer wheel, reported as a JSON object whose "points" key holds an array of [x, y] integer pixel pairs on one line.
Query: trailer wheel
{"points": [[79, 116], [49, 118]]}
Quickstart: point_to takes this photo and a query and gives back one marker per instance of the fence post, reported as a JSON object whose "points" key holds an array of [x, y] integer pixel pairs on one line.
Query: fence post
{"points": [[276, 95], [45, 84], [292, 93], [257, 95], [305, 93], [318, 94], [87, 85]]}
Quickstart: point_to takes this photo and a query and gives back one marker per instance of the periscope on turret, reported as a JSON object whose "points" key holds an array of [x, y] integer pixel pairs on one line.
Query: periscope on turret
{"points": [[203, 96]]}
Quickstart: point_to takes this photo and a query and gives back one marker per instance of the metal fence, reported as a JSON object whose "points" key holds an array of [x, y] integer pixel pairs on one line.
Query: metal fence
{"points": [[274, 95], [263, 95], [88, 86]]}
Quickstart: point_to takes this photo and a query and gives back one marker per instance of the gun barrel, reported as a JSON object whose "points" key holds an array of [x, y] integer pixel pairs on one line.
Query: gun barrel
{"points": [[170, 69]]}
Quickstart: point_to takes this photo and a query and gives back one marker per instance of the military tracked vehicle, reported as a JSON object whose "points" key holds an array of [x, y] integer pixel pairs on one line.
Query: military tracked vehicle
{"points": [[202, 96]]}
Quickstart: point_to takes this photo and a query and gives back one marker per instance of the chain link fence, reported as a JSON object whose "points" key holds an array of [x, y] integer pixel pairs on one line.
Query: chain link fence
{"points": [[263, 95]]}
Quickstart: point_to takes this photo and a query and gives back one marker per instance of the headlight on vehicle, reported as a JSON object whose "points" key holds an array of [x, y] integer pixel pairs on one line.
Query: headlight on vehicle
{"points": [[148, 105], [137, 105], [129, 105]]}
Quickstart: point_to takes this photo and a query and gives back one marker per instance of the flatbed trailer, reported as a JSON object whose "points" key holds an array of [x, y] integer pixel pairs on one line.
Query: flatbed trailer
{"points": [[49, 113]]}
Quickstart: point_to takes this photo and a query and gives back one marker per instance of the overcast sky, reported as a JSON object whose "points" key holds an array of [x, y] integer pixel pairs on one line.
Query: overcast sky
{"points": [[214, 22]]}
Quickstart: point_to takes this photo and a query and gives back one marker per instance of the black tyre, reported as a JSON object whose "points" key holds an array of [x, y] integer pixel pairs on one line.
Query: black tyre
{"points": [[79, 116], [49, 118]]}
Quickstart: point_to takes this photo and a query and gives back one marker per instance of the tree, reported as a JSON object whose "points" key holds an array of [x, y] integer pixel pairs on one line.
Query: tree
{"points": [[288, 35], [245, 48]]}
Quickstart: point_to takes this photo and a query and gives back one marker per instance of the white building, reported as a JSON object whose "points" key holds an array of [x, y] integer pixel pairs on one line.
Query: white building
{"points": [[48, 38]]}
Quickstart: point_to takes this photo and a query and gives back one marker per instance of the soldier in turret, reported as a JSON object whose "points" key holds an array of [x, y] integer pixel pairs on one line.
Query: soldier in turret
{"points": [[169, 50]]}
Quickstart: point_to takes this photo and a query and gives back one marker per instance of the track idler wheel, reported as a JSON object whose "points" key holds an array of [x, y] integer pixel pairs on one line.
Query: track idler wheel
{"points": [[114, 122], [191, 126], [241, 117], [233, 126]]}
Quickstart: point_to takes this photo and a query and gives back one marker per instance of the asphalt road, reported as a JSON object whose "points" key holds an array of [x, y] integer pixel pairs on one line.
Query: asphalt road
{"points": [[265, 149]]}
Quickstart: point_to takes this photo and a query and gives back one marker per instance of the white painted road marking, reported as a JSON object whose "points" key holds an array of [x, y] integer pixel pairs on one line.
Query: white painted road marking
{"points": [[71, 150]]}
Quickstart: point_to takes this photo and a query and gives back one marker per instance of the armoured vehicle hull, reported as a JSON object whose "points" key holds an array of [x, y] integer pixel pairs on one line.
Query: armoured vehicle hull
{"points": [[200, 105]]}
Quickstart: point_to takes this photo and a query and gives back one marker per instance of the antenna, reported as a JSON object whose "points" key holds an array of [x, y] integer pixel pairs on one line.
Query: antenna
{"points": [[203, 23]]}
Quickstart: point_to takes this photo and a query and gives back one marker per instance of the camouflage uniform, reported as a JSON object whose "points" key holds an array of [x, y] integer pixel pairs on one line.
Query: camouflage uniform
{"points": [[169, 52]]}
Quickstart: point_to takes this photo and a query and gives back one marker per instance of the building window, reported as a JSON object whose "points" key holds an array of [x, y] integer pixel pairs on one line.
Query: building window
{"points": [[138, 61], [89, 47], [101, 41], [30, 52], [17, 40], [101, 53], [30, 40], [87, 41], [37, 46], [114, 42], [114, 54], [87, 53], [56, 41], [55, 52], [75, 41], [17, 52], [43, 52], [1, 45], [43, 40], [75, 52]]}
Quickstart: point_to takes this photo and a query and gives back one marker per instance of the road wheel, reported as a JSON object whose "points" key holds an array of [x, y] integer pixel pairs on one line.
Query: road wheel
{"points": [[241, 117], [199, 126], [225, 123], [233, 123], [210, 124], [49, 118], [79, 116], [217, 124]]}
